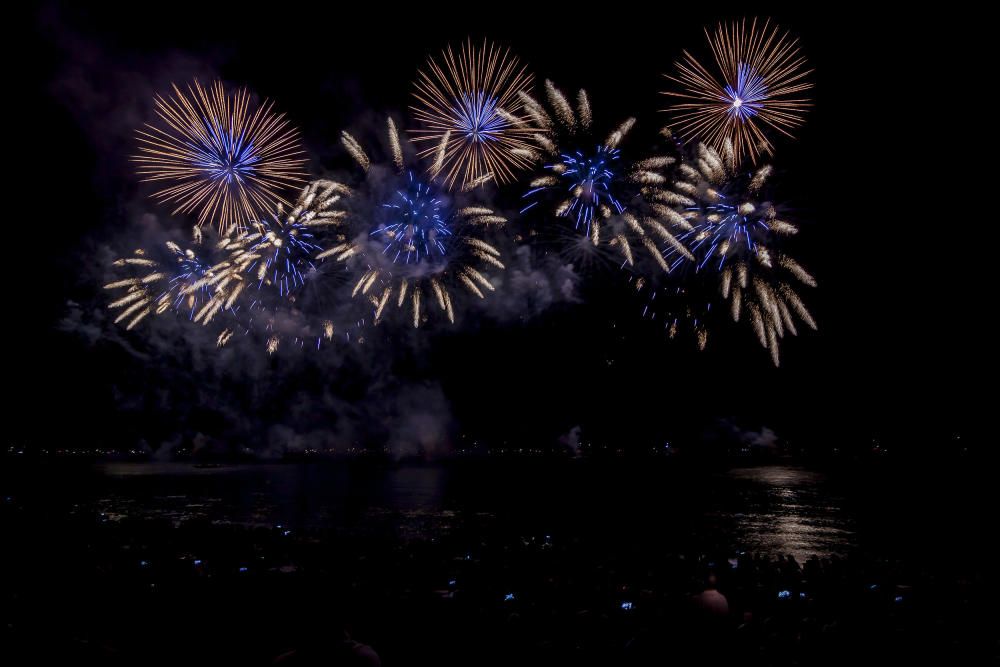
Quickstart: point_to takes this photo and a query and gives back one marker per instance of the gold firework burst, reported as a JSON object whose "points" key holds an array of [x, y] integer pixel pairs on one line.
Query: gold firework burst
{"points": [[471, 105], [218, 156], [760, 84]]}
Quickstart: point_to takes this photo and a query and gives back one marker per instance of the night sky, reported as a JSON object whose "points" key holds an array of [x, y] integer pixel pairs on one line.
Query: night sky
{"points": [[872, 185]]}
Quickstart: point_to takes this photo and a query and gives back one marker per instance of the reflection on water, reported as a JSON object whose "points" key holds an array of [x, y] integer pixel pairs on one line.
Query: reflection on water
{"points": [[773, 508], [789, 510], [127, 469]]}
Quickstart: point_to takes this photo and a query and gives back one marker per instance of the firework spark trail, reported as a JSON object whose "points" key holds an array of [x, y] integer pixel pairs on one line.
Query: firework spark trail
{"points": [[355, 149], [760, 84], [476, 182], [215, 155], [583, 106], [796, 270], [586, 181], [617, 135], [397, 149], [442, 153], [224, 337], [472, 102], [471, 211], [414, 241], [731, 234], [564, 112]]}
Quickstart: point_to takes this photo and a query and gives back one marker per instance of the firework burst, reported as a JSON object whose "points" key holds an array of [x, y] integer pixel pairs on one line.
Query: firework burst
{"points": [[217, 156], [733, 236], [278, 249], [760, 83], [470, 115], [587, 182], [264, 278], [409, 244], [292, 291], [197, 281]]}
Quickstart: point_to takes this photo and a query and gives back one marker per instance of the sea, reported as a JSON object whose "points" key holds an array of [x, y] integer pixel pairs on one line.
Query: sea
{"points": [[778, 507]]}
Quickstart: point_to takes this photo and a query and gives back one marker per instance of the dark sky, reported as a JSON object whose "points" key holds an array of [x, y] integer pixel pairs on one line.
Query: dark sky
{"points": [[872, 180]]}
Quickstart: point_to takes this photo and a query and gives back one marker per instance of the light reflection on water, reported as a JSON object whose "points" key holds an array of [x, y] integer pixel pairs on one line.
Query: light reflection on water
{"points": [[770, 508], [790, 511]]}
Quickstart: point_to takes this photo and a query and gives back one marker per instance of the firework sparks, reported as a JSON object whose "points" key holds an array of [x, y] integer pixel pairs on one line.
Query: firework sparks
{"points": [[265, 278], [732, 233], [417, 227], [761, 84], [468, 107], [277, 257], [224, 338], [413, 243], [215, 155], [187, 280], [135, 304], [279, 250], [587, 181]]}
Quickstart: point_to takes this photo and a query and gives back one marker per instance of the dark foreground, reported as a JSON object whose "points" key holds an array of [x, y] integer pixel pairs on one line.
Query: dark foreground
{"points": [[472, 585]]}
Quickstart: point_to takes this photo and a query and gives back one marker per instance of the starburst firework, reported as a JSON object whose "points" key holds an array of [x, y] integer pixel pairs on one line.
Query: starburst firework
{"points": [[469, 112], [760, 84], [218, 156]]}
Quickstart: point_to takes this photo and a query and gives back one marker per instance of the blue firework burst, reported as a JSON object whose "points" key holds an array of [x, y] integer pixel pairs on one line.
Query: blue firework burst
{"points": [[589, 180], [724, 229], [476, 117], [746, 99], [286, 255], [417, 225]]}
